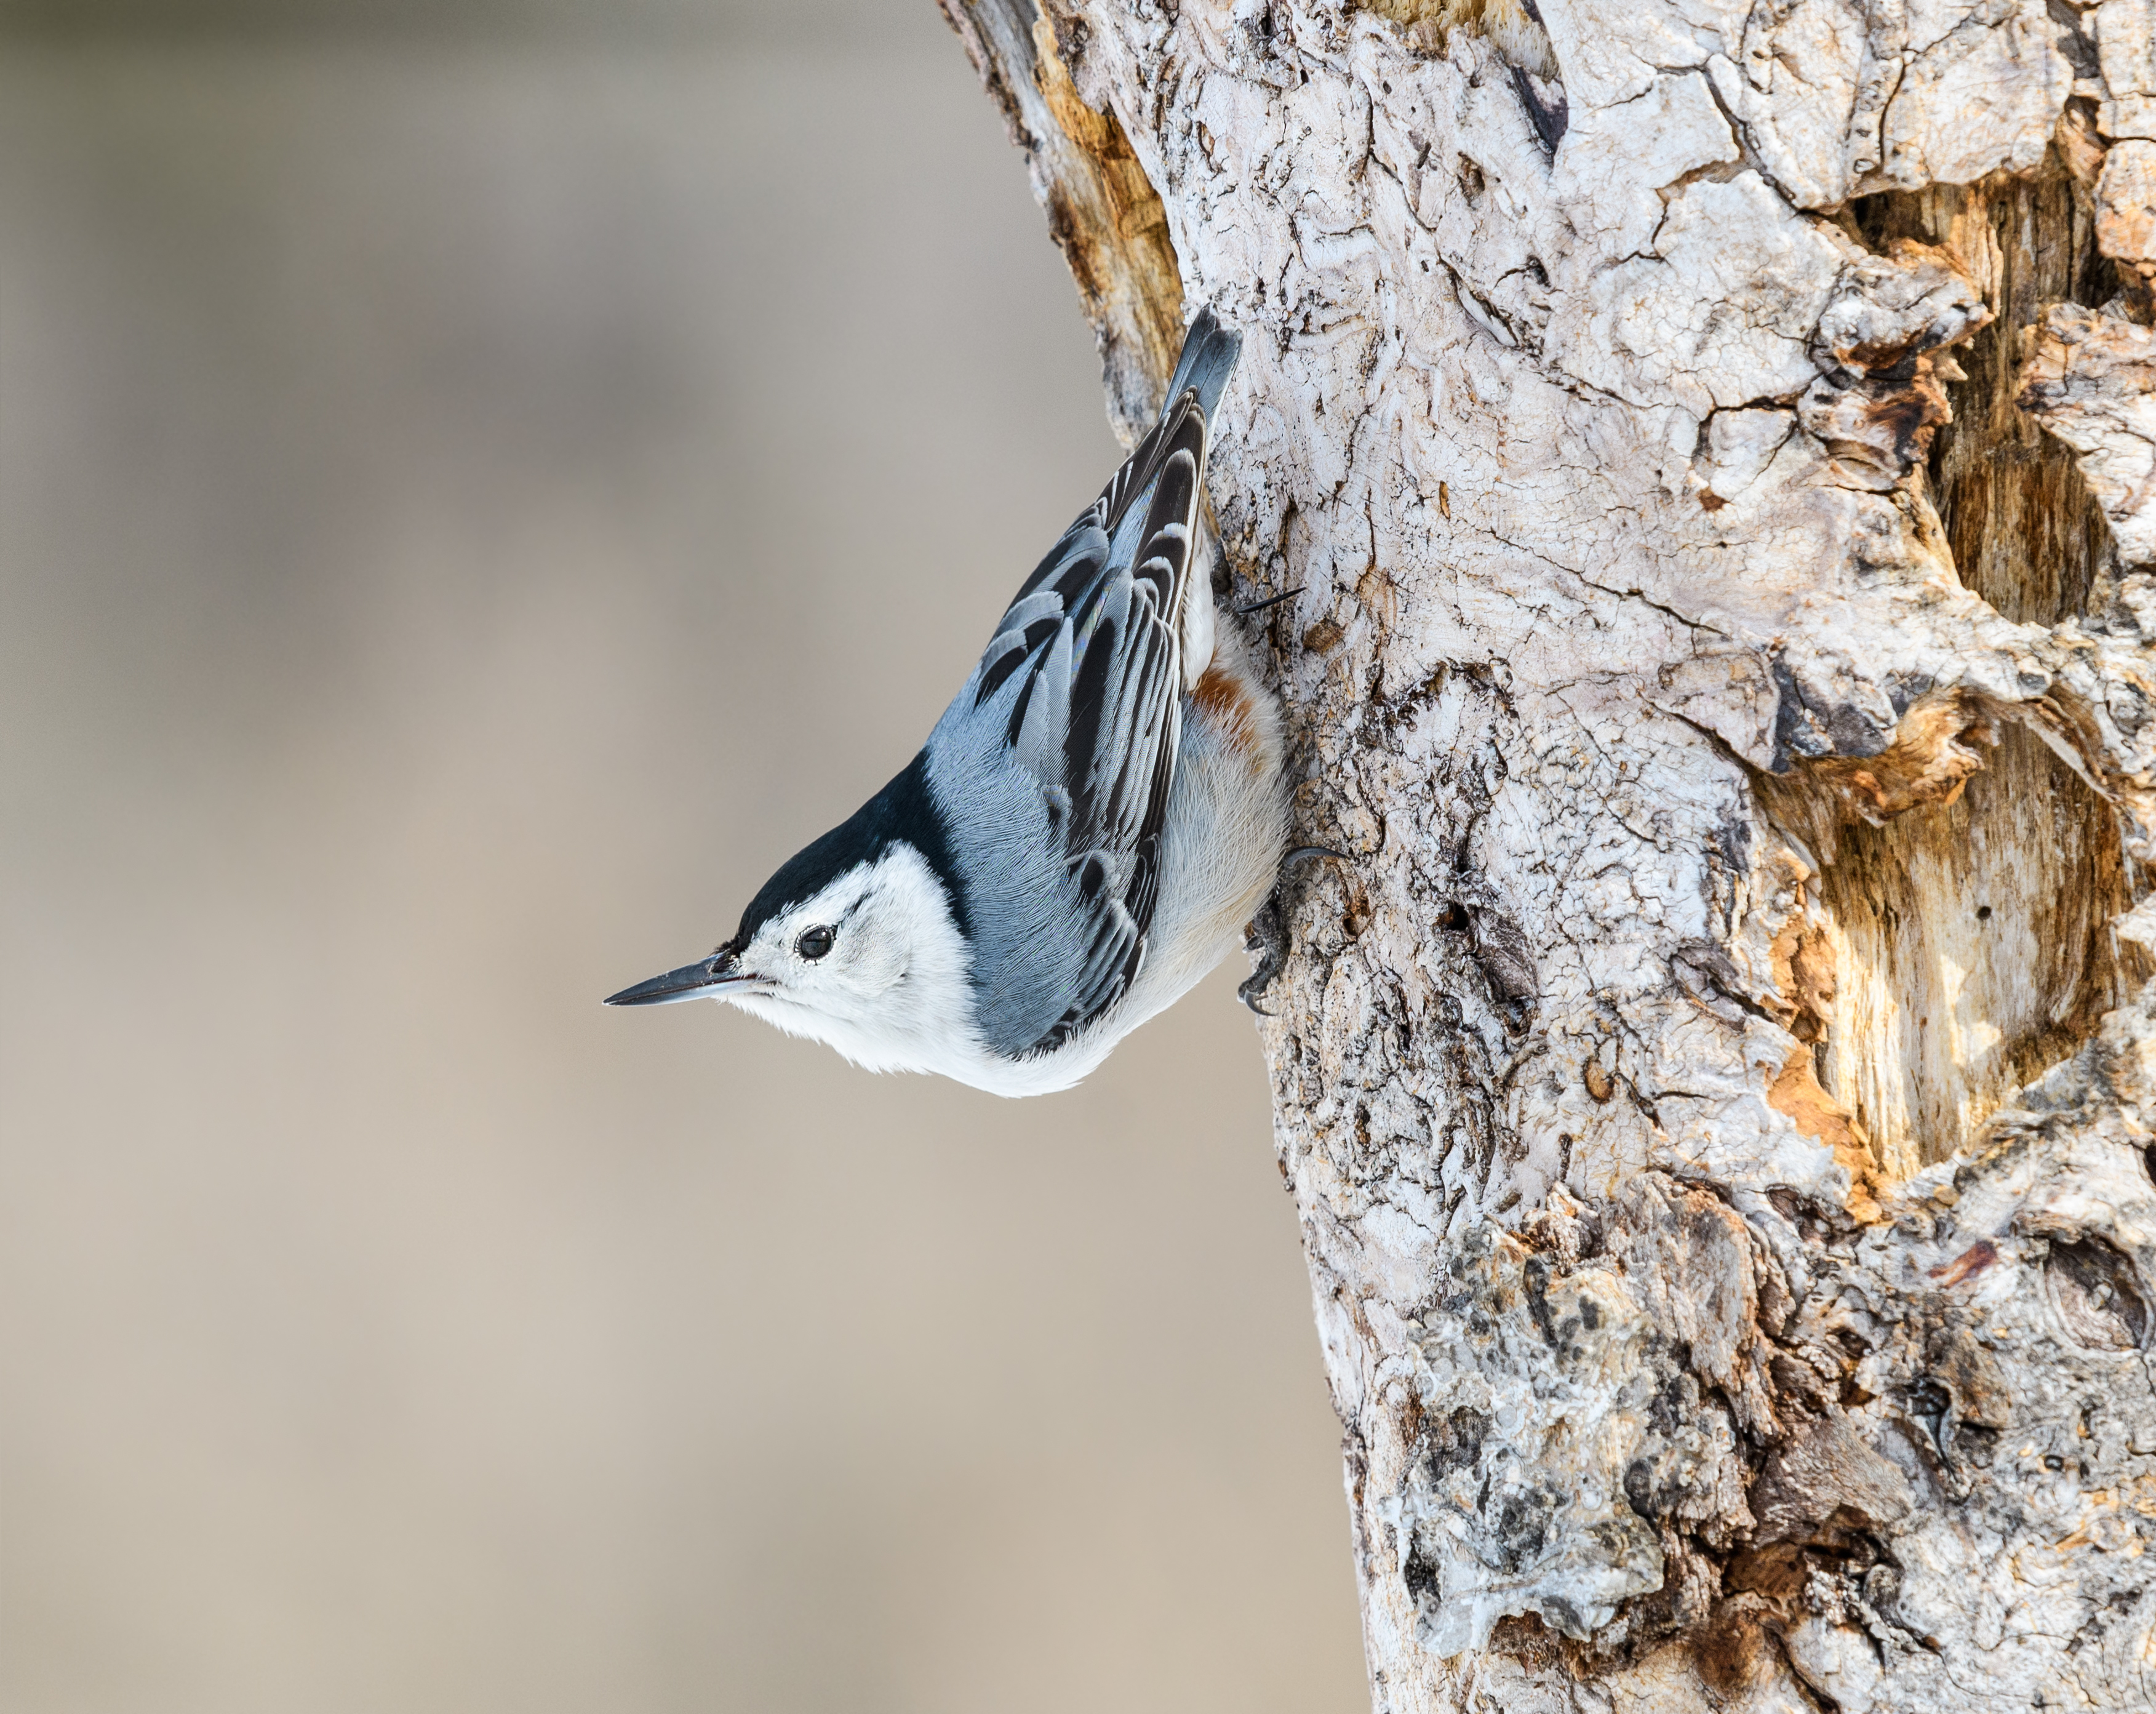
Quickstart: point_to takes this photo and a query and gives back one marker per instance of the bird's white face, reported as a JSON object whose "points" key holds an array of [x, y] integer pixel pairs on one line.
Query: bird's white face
{"points": [[872, 964]]}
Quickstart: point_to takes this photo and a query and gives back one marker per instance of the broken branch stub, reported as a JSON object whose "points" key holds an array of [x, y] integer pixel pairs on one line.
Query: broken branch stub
{"points": [[1711, 449]]}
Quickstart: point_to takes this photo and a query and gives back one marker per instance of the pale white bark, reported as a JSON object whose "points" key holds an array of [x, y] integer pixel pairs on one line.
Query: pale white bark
{"points": [[1717, 1093]]}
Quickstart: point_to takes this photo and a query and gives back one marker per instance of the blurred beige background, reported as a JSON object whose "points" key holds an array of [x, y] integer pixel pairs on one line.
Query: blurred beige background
{"points": [[479, 484]]}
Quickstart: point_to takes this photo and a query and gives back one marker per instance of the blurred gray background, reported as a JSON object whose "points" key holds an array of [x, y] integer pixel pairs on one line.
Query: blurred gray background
{"points": [[479, 483]]}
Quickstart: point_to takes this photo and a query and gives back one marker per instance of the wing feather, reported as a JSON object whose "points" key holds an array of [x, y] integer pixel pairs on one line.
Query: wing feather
{"points": [[1093, 644]]}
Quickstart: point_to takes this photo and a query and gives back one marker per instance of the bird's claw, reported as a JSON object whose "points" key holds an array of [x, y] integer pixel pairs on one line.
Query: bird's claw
{"points": [[1251, 607], [1265, 938]]}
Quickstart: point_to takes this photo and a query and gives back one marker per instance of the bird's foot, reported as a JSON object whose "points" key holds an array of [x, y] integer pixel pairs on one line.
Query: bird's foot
{"points": [[1266, 937]]}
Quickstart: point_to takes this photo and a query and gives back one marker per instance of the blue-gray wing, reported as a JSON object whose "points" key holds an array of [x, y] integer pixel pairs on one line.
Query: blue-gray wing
{"points": [[1093, 645]]}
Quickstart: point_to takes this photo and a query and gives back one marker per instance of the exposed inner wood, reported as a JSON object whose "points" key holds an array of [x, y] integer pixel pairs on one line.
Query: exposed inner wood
{"points": [[1968, 938], [1513, 24], [1971, 950], [2024, 531], [1110, 223], [1103, 212]]}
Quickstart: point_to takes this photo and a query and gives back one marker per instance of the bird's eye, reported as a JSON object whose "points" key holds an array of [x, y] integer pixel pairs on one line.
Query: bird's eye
{"points": [[814, 943]]}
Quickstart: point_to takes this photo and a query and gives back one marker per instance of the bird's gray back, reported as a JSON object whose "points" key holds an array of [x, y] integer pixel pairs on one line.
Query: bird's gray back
{"points": [[1052, 769], [1027, 932]]}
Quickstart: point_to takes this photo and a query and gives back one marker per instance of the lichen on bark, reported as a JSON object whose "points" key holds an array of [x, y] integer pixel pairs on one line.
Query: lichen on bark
{"points": [[1713, 444]]}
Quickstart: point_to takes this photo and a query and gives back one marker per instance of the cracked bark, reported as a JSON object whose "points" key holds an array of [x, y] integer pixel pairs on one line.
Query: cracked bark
{"points": [[1716, 447]]}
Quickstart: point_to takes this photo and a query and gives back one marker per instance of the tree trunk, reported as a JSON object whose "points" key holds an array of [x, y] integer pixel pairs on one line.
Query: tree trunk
{"points": [[1715, 447]]}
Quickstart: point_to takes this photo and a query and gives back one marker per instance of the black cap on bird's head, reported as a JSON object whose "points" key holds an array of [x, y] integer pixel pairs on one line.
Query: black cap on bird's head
{"points": [[903, 811]]}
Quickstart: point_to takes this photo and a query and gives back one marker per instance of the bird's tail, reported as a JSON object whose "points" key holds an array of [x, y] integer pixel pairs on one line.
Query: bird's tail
{"points": [[1209, 352]]}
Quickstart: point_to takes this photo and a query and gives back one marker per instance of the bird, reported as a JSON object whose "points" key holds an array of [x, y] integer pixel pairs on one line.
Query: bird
{"points": [[1088, 828]]}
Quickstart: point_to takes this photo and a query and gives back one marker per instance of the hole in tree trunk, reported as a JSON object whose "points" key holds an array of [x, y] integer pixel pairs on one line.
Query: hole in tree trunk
{"points": [[2025, 533], [1969, 944], [1972, 951]]}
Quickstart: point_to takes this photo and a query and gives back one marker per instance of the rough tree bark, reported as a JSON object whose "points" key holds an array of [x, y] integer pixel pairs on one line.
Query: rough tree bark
{"points": [[1715, 443]]}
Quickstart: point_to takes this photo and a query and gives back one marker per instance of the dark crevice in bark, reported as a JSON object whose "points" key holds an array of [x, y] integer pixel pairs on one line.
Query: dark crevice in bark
{"points": [[2024, 530]]}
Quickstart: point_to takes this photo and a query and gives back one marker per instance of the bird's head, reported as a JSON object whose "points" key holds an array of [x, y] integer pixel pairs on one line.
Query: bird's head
{"points": [[853, 942]]}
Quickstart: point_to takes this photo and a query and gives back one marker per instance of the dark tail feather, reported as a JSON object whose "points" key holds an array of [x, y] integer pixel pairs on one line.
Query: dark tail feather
{"points": [[1209, 352]]}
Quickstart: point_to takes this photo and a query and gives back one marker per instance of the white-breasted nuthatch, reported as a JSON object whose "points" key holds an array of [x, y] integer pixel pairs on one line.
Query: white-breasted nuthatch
{"points": [[1087, 828]]}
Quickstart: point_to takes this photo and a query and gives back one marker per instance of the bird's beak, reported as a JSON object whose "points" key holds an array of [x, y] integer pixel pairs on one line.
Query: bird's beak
{"points": [[692, 981]]}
